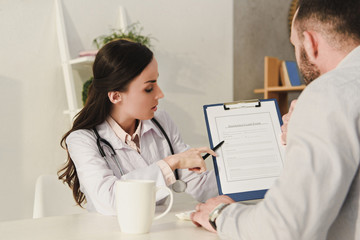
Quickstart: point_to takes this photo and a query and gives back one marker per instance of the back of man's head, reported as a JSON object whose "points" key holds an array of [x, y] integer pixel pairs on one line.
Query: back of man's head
{"points": [[338, 20]]}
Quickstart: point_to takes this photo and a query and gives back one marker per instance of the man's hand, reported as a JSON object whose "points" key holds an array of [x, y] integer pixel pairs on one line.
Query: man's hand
{"points": [[286, 119], [201, 216]]}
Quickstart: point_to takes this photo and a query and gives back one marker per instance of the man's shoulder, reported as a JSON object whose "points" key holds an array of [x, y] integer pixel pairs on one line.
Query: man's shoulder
{"points": [[334, 90], [341, 80]]}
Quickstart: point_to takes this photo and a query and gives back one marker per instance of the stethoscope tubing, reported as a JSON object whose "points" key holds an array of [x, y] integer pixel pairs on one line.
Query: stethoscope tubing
{"points": [[176, 173], [100, 140]]}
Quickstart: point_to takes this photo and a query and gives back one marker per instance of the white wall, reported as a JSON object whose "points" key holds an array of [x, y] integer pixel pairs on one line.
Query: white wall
{"points": [[194, 49], [193, 45], [31, 104]]}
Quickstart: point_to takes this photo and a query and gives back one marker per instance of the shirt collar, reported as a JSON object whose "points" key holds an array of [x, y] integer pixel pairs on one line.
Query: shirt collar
{"points": [[120, 132], [351, 58]]}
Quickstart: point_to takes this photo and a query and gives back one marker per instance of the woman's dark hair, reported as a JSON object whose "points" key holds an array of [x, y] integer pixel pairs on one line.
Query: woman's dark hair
{"points": [[115, 66]]}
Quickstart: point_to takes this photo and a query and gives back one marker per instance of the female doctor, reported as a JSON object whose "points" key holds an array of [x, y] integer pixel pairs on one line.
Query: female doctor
{"points": [[114, 137]]}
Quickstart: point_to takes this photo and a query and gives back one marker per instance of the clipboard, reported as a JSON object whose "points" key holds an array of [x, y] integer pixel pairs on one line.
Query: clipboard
{"points": [[252, 156]]}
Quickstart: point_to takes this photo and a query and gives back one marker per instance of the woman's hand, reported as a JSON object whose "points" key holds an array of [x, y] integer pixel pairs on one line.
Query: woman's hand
{"points": [[191, 159]]}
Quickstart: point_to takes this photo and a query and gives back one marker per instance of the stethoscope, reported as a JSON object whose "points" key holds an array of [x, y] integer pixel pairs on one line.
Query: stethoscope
{"points": [[178, 186]]}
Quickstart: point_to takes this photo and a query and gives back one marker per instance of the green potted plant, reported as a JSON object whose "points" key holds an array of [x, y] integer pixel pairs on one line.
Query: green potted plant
{"points": [[132, 33]]}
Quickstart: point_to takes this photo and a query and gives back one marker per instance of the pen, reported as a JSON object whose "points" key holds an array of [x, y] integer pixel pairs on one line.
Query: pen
{"points": [[214, 149]]}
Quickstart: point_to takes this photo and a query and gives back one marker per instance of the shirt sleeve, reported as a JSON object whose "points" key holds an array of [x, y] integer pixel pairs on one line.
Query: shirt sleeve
{"points": [[201, 186], [320, 166], [167, 172]]}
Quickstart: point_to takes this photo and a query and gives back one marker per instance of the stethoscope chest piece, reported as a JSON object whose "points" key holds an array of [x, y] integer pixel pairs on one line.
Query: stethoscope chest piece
{"points": [[179, 186]]}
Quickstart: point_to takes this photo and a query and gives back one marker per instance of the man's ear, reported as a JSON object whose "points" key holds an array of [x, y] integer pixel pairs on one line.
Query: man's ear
{"points": [[114, 97], [311, 45]]}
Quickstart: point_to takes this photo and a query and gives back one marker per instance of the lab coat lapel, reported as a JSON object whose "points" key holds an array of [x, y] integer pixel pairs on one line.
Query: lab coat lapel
{"points": [[106, 132], [148, 125], [156, 145]]}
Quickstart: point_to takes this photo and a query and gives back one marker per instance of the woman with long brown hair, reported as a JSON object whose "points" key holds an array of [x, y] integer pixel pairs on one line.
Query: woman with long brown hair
{"points": [[120, 134]]}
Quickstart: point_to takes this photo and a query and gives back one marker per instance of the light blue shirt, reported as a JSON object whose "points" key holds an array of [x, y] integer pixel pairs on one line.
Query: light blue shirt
{"points": [[318, 193]]}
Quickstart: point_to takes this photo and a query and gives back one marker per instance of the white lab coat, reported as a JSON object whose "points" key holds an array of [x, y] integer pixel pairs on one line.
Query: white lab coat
{"points": [[97, 177]]}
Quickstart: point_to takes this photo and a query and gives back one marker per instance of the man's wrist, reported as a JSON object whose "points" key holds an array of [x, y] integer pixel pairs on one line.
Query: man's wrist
{"points": [[215, 213]]}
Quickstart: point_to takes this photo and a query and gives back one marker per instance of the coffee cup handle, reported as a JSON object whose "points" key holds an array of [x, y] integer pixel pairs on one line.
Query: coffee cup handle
{"points": [[170, 203]]}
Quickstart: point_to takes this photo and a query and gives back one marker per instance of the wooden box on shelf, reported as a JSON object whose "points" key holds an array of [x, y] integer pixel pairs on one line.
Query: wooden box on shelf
{"points": [[273, 84]]}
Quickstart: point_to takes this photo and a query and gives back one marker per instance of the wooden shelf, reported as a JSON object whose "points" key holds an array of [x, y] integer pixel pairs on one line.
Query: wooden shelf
{"points": [[280, 89], [272, 88]]}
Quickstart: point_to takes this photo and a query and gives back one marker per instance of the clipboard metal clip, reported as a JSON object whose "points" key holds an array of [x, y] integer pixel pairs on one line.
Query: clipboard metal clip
{"points": [[242, 104]]}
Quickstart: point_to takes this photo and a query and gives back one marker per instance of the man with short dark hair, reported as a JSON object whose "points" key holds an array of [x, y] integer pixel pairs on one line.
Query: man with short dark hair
{"points": [[317, 195]]}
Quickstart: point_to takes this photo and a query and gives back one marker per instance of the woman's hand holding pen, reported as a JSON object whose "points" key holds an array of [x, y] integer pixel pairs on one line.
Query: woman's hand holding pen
{"points": [[190, 159]]}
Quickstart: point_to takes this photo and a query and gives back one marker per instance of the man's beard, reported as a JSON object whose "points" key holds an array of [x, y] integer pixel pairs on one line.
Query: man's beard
{"points": [[309, 70]]}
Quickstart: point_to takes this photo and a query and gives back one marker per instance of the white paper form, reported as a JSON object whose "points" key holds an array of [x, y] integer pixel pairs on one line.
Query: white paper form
{"points": [[251, 157]]}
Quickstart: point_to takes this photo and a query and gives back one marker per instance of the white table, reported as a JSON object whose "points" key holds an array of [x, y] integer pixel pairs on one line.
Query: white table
{"points": [[95, 226]]}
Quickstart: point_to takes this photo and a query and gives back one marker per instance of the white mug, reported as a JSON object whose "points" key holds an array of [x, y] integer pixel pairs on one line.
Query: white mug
{"points": [[135, 205]]}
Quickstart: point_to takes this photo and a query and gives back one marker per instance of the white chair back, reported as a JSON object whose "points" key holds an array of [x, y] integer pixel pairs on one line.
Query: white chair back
{"points": [[53, 198]]}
